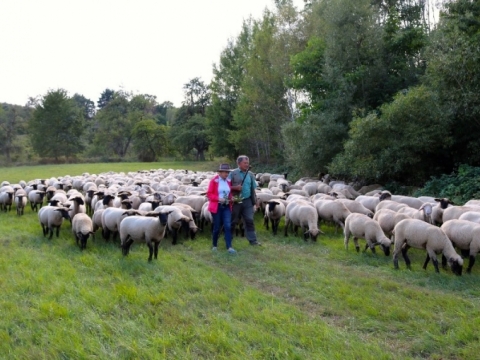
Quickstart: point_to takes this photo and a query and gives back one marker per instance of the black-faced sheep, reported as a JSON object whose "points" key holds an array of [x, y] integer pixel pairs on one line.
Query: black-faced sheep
{"points": [[149, 229], [421, 235], [333, 211], [51, 217], [356, 207], [274, 211], [302, 214], [464, 235], [361, 226], [82, 228], [387, 219]]}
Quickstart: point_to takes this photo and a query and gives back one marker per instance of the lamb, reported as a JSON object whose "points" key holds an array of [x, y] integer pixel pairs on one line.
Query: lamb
{"points": [[78, 205], [274, 211], [361, 226], [20, 201], [150, 229], [36, 198], [195, 201], [437, 211], [356, 207], [302, 214], [464, 235], [177, 219], [424, 213], [421, 235], [332, 210], [387, 219], [52, 217], [82, 228], [6, 198]]}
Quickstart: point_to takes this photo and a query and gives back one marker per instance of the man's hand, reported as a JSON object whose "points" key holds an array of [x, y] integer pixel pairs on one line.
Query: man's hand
{"points": [[237, 188]]}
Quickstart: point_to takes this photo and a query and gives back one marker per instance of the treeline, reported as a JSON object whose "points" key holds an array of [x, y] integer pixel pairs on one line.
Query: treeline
{"points": [[372, 90]]}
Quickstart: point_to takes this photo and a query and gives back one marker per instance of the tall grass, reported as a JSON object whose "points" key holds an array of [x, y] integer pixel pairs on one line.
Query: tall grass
{"points": [[286, 300]]}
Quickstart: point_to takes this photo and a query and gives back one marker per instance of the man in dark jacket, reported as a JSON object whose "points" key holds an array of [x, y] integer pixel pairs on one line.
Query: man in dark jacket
{"points": [[243, 185]]}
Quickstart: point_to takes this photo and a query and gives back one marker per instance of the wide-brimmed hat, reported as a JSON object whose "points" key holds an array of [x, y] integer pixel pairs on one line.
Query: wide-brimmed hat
{"points": [[224, 167]]}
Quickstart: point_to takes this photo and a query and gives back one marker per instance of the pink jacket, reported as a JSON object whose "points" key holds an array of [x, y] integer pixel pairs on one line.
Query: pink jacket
{"points": [[212, 194]]}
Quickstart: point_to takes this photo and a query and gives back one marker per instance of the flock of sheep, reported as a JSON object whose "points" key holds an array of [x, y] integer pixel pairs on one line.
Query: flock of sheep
{"points": [[145, 206]]}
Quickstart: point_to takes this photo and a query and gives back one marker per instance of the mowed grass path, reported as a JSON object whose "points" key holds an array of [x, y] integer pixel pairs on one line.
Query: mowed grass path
{"points": [[286, 300]]}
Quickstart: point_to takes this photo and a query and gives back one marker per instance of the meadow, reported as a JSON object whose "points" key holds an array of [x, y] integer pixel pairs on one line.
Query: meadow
{"points": [[288, 299]]}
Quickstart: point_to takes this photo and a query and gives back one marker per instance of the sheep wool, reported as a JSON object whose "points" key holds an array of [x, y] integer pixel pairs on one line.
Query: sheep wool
{"points": [[421, 235]]}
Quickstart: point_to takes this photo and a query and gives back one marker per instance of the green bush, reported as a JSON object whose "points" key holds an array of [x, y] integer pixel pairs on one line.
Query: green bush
{"points": [[459, 186]]}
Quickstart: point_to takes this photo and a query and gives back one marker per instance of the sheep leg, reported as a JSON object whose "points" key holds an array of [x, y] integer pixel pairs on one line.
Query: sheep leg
{"points": [[265, 222], [155, 250], [126, 245], [357, 246], [426, 262], [435, 263], [150, 251], [471, 261], [405, 256], [174, 235], [58, 231], [444, 262], [287, 222], [275, 224], [347, 238]]}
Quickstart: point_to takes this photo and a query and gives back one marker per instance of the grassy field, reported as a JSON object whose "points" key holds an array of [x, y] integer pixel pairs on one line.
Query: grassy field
{"points": [[286, 300]]}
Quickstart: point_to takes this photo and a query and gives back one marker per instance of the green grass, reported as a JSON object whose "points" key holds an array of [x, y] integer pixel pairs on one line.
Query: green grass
{"points": [[286, 300]]}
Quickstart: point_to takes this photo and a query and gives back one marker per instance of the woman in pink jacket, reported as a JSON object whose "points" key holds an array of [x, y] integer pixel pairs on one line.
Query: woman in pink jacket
{"points": [[220, 205]]}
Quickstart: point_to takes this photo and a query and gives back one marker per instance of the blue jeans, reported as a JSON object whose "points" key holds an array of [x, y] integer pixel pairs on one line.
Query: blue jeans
{"points": [[222, 217]]}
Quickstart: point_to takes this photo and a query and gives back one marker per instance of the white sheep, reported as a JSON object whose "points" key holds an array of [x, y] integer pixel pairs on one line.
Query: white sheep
{"points": [[424, 213], [82, 228], [149, 229], [361, 226], [20, 201], [36, 198], [421, 235], [274, 211], [437, 211], [51, 217], [111, 219], [472, 216], [464, 235], [390, 204], [206, 217], [370, 202], [302, 214], [454, 212], [177, 219], [332, 210], [387, 219], [356, 207]]}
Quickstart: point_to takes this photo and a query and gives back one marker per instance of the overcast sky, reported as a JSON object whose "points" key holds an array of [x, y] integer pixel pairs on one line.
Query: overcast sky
{"points": [[144, 46]]}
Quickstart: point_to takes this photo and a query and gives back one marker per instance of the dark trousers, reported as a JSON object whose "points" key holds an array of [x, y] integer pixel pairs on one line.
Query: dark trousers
{"points": [[245, 211], [222, 217]]}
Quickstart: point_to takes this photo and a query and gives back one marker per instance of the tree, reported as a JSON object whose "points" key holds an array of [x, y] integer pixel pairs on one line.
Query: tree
{"points": [[225, 89], [407, 141], [106, 96], [189, 128], [191, 135], [57, 126], [116, 122], [150, 140], [454, 71]]}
